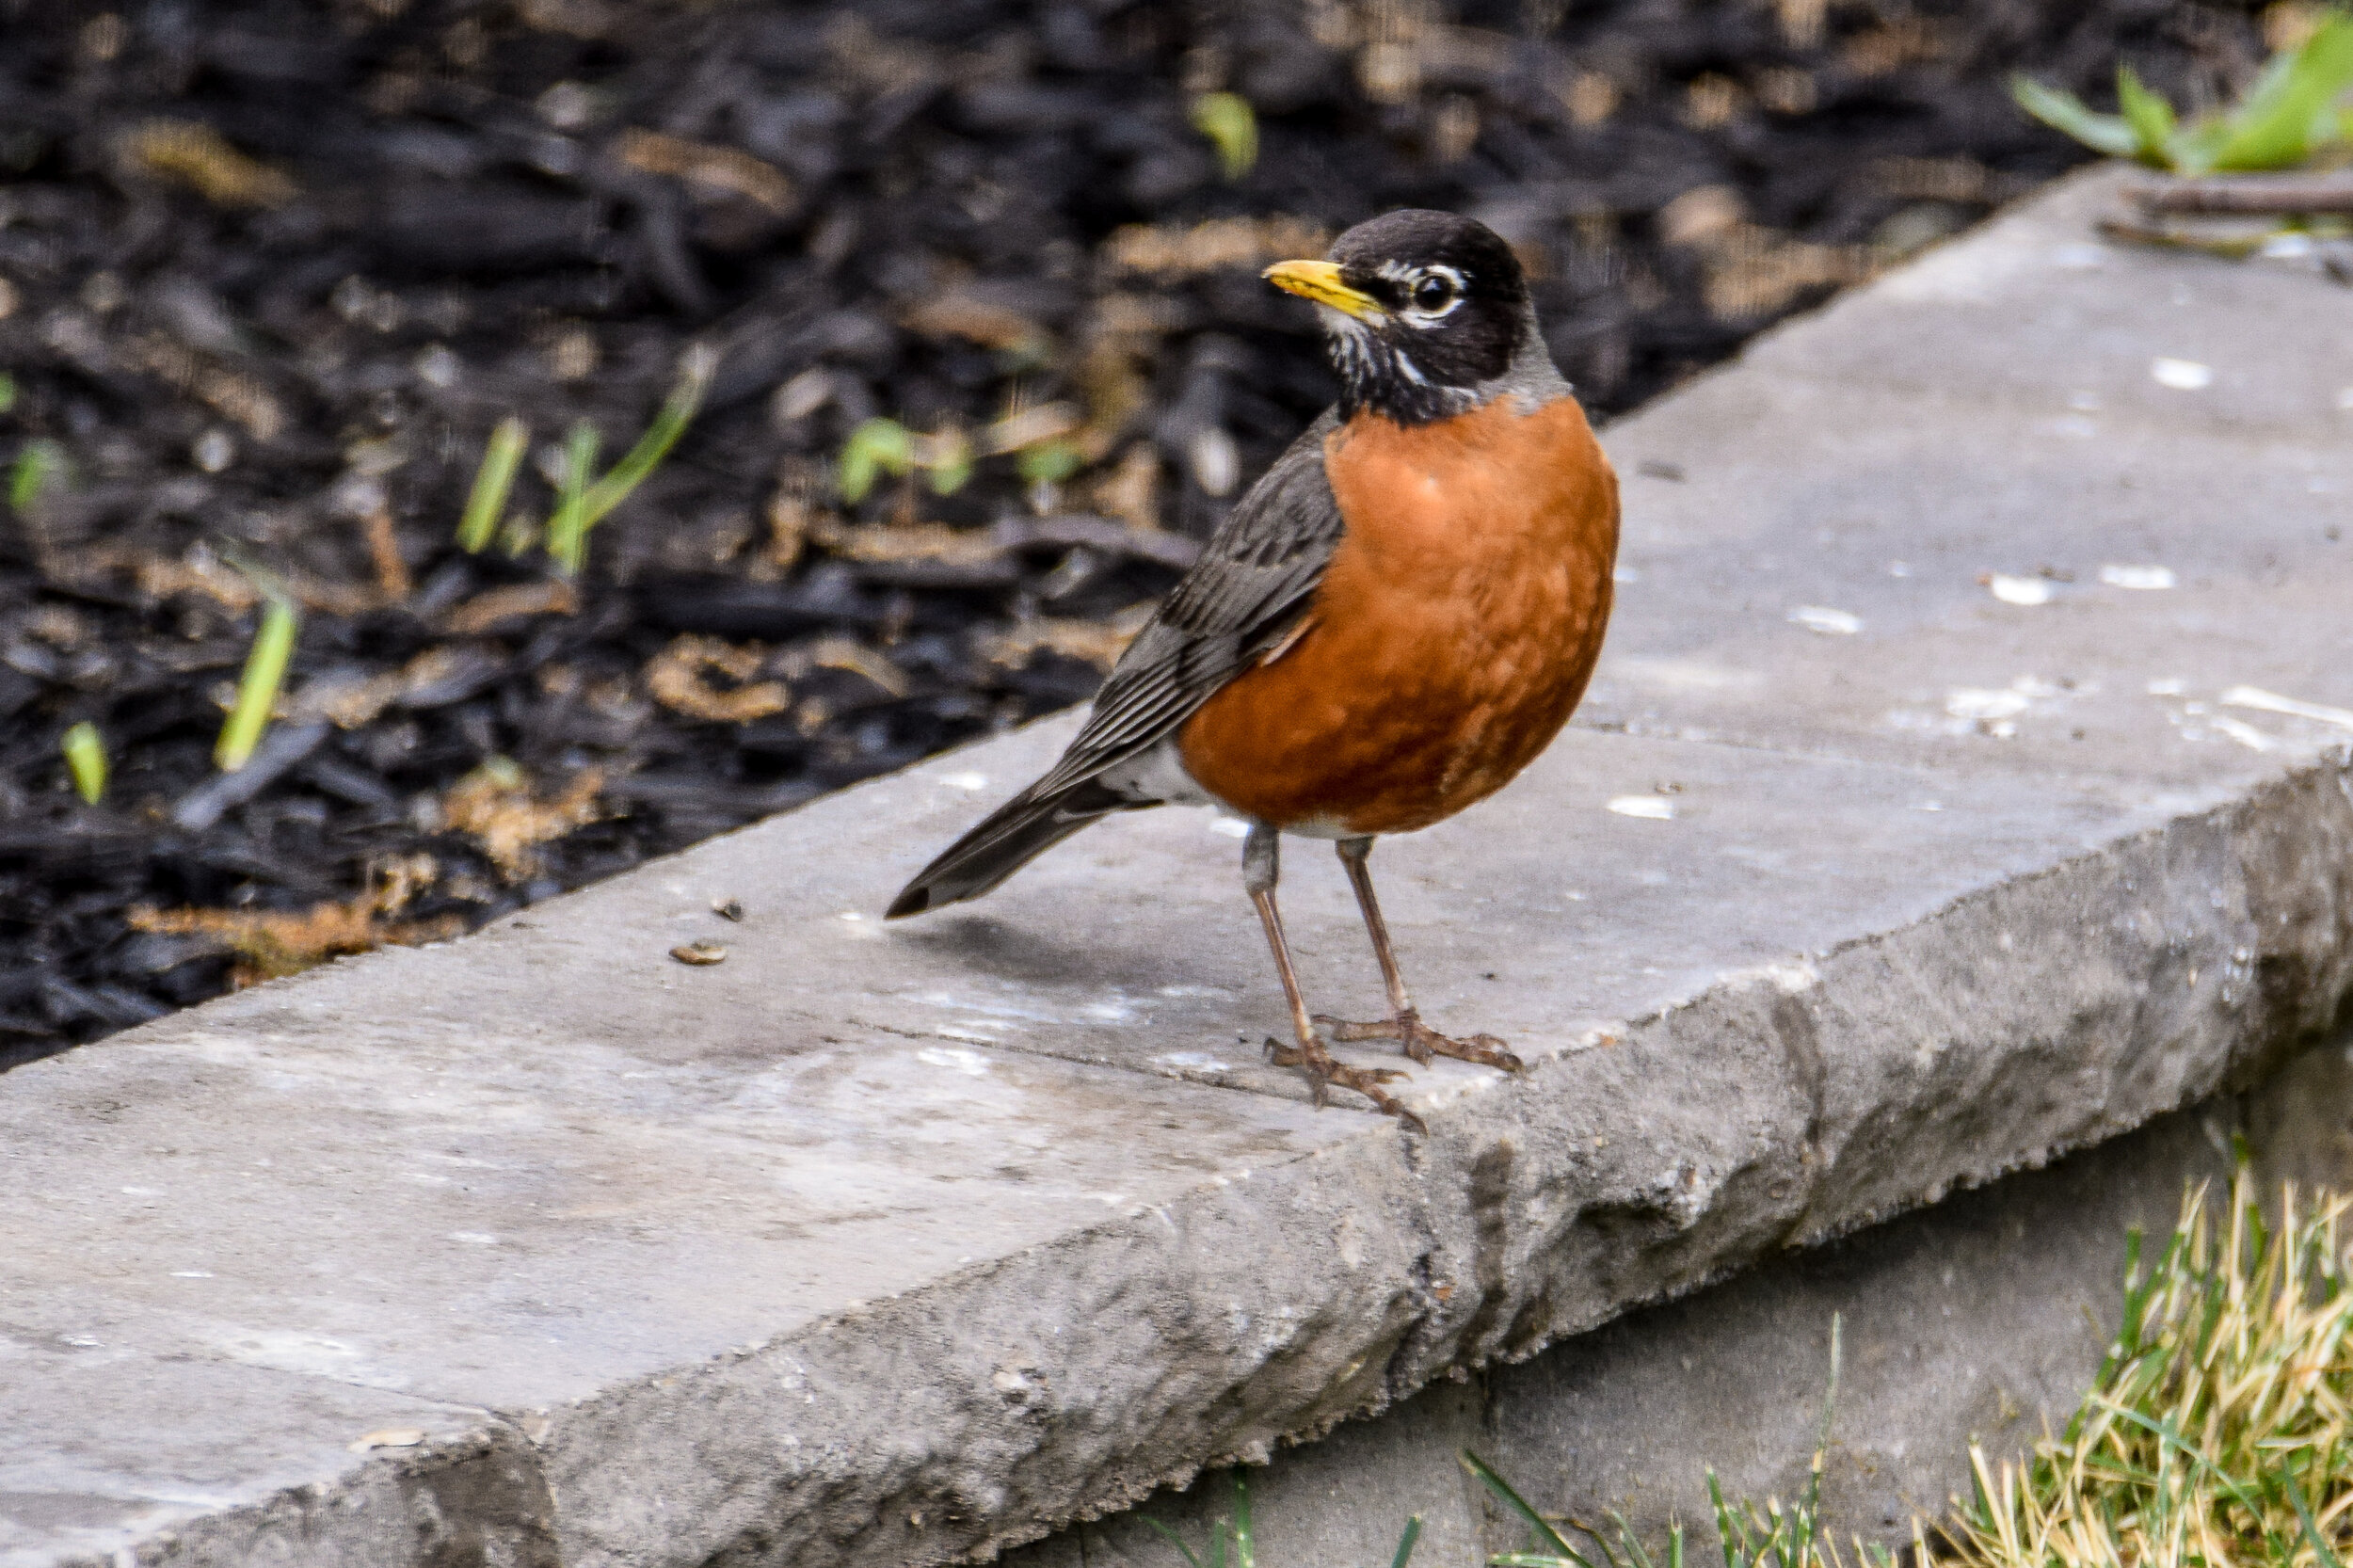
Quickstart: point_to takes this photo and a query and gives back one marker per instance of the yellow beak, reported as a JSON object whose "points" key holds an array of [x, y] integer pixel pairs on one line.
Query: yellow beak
{"points": [[1321, 282]]}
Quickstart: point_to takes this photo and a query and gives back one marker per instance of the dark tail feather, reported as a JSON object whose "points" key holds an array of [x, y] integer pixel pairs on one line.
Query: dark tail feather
{"points": [[1007, 840]]}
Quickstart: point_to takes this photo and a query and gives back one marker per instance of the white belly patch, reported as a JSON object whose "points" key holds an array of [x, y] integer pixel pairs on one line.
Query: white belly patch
{"points": [[1157, 775]]}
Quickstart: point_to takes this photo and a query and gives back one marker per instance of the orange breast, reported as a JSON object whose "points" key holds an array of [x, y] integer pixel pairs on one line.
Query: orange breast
{"points": [[1452, 638]]}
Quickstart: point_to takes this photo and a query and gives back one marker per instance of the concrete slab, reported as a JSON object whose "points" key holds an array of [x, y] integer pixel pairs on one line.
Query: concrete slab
{"points": [[1982, 1319], [903, 1244]]}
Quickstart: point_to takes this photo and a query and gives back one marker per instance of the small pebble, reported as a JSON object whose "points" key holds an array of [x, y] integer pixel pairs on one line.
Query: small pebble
{"points": [[389, 1437], [1829, 622], [699, 954], [2019, 590], [214, 451], [2146, 579], [729, 908]]}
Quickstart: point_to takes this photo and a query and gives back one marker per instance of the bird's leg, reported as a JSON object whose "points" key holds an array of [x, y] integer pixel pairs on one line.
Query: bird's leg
{"points": [[1403, 1024], [1259, 872]]}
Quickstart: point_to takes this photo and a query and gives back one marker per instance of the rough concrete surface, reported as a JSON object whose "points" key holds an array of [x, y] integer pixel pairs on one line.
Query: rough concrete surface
{"points": [[1981, 1319], [881, 1245]]}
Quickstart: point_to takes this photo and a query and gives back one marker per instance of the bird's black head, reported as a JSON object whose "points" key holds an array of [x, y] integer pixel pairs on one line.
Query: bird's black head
{"points": [[1428, 314]]}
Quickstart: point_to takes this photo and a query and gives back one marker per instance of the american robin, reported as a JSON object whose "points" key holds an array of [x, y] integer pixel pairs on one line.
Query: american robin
{"points": [[1391, 624]]}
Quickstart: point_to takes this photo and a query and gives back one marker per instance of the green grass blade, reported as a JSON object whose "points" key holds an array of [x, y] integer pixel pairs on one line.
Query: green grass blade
{"points": [[2149, 115], [1173, 1539], [1412, 1533], [1538, 1525], [877, 447], [677, 411], [1245, 1547], [85, 759], [2170, 1438], [487, 500], [2321, 1548], [257, 689], [36, 466], [2065, 112], [1227, 119], [568, 530], [1050, 462], [2287, 113], [1629, 1551], [1731, 1531]]}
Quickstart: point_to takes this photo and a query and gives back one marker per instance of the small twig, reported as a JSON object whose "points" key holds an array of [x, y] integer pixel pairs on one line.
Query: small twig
{"points": [[2230, 246], [2249, 194]]}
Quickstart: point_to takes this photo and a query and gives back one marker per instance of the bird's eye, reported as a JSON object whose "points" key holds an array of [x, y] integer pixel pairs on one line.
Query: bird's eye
{"points": [[1431, 293]]}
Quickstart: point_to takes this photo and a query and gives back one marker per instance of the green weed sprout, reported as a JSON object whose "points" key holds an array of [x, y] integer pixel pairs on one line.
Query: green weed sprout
{"points": [[85, 759], [1051, 461], [2288, 113], [1546, 1547], [877, 447], [38, 463], [884, 446], [948, 459], [520, 533], [8, 391], [1748, 1536], [568, 531], [1232, 128], [264, 673], [567, 527], [1234, 1531], [492, 483], [1755, 1538]]}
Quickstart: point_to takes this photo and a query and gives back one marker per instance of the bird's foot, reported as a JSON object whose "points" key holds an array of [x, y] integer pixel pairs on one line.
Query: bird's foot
{"points": [[1422, 1042], [1324, 1071]]}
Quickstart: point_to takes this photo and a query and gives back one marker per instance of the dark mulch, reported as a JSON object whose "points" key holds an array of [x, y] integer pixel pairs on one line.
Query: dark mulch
{"points": [[273, 270]]}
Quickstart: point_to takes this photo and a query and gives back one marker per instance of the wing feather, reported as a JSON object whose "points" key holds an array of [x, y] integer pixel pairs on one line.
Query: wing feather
{"points": [[1254, 580]]}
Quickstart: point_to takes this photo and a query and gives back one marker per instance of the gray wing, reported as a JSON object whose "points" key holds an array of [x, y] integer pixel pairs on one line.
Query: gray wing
{"points": [[1253, 582]]}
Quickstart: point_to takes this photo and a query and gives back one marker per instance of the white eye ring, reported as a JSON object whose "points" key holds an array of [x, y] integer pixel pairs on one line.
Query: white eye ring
{"points": [[1426, 316]]}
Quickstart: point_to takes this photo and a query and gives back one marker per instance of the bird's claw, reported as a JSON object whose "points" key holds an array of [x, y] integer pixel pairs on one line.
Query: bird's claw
{"points": [[1324, 1071], [1422, 1043]]}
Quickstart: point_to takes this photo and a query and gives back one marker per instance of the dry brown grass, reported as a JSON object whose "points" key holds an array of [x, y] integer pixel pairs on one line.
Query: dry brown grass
{"points": [[2216, 1434]]}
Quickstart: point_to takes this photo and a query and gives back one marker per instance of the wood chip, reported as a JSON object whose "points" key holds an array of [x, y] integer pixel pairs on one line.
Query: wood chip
{"points": [[495, 806], [680, 679], [484, 610], [196, 155], [980, 321], [700, 953], [1221, 243], [715, 171], [391, 571], [1098, 642]]}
